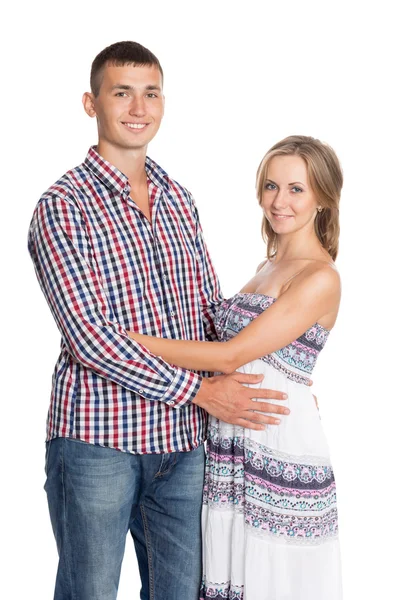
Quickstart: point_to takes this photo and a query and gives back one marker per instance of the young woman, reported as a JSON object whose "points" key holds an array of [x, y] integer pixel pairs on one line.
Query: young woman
{"points": [[270, 518]]}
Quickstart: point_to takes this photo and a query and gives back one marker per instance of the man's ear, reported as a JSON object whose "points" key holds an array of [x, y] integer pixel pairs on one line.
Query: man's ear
{"points": [[88, 104]]}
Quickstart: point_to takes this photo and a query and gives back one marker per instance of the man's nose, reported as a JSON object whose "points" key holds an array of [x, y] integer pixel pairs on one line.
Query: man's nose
{"points": [[137, 107]]}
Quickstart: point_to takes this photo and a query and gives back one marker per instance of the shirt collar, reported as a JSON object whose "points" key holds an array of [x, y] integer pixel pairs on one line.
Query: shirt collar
{"points": [[157, 174], [114, 179]]}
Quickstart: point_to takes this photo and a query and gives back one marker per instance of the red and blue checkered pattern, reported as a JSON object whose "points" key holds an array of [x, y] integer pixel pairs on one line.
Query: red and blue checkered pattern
{"points": [[105, 269]]}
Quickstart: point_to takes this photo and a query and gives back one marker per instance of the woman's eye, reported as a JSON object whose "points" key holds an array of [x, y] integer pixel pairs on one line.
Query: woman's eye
{"points": [[296, 189], [270, 186]]}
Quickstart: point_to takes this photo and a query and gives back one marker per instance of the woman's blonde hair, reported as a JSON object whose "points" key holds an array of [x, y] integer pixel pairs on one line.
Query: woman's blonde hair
{"points": [[326, 181]]}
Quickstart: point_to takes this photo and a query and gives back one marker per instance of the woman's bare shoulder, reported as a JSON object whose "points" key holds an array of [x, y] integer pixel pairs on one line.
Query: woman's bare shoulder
{"points": [[321, 276], [261, 265]]}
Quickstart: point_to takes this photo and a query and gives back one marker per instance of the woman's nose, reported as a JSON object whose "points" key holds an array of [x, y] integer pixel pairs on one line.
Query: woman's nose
{"points": [[280, 200]]}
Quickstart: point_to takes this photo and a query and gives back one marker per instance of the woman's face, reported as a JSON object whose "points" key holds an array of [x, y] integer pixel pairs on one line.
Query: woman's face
{"points": [[288, 201]]}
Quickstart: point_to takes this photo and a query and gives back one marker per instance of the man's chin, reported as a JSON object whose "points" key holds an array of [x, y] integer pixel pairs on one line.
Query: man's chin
{"points": [[136, 144], [130, 146]]}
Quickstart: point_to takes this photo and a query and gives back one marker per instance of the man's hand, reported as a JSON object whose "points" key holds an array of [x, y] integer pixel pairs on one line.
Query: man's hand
{"points": [[226, 398]]}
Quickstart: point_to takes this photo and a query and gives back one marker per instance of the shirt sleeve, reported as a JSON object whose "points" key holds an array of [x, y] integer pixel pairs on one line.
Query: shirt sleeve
{"points": [[207, 281], [66, 269]]}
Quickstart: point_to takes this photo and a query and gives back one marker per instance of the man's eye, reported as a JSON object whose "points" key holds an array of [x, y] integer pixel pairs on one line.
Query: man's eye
{"points": [[121, 94], [151, 95]]}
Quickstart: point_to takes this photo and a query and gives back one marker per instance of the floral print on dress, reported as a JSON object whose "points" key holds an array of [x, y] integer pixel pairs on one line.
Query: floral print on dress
{"points": [[221, 591], [291, 498], [296, 360]]}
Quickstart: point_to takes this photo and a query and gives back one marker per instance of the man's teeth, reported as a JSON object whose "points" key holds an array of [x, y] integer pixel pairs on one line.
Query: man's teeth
{"points": [[136, 125]]}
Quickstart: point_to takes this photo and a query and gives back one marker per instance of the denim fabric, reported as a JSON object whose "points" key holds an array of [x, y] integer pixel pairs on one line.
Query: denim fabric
{"points": [[96, 495]]}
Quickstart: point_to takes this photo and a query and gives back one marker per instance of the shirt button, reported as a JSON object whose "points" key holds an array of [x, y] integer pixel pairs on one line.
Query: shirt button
{"points": [[141, 391], [172, 314], [170, 402], [164, 276]]}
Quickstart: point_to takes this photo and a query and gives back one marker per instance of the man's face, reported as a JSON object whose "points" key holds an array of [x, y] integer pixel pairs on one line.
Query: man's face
{"points": [[129, 106]]}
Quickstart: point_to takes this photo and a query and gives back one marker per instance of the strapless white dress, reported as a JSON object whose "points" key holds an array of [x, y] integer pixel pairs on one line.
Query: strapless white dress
{"points": [[270, 527]]}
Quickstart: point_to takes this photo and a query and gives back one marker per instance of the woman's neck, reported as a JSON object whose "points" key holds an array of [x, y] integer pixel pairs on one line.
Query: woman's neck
{"points": [[295, 247]]}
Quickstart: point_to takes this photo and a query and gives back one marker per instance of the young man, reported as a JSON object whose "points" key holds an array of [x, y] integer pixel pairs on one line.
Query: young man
{"points": [[117, 246]]}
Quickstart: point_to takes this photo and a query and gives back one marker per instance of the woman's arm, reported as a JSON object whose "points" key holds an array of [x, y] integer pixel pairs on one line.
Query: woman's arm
{"points": [[309, 298], [198, 356]]}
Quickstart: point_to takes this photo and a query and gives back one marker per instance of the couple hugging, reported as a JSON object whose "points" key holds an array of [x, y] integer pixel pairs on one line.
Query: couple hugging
{"points": [[119, 253]]}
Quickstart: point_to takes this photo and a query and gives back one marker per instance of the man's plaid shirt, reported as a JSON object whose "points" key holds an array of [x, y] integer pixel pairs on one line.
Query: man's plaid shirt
{"points": [[105, 269]]}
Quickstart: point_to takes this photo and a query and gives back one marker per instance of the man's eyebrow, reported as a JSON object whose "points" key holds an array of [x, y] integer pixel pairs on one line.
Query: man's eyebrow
{"points": [[122, 86]]}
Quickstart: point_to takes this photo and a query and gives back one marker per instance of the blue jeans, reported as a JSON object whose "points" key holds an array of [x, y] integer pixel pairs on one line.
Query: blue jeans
{"points": [[96, 495]]}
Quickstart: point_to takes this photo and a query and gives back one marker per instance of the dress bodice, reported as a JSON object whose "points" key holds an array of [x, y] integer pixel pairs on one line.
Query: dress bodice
{"points": [[296, 360]]}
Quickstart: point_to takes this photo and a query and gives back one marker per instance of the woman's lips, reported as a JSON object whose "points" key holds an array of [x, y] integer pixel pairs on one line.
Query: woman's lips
{"points": [[281, 217]]}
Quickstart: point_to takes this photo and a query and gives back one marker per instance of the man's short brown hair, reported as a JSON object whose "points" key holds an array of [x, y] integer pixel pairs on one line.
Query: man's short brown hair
{"points": [[120, 54]]}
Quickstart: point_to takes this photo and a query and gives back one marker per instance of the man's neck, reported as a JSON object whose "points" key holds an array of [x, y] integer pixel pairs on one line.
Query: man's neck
{"points": [[130, 162]]}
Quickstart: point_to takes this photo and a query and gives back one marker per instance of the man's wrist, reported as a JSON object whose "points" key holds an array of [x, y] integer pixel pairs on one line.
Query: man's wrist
{"points": [[204, 392]]}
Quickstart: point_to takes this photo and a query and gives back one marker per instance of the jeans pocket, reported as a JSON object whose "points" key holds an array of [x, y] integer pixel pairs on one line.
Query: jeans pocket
{"points": [[46, 459], [168, 461]]}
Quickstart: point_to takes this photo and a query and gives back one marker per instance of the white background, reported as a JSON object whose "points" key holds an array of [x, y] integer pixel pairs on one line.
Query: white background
{"points": [[238, 78]]}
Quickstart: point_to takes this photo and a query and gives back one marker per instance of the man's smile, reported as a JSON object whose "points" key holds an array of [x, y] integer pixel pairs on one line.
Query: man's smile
{"points": [[137, 126]]}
